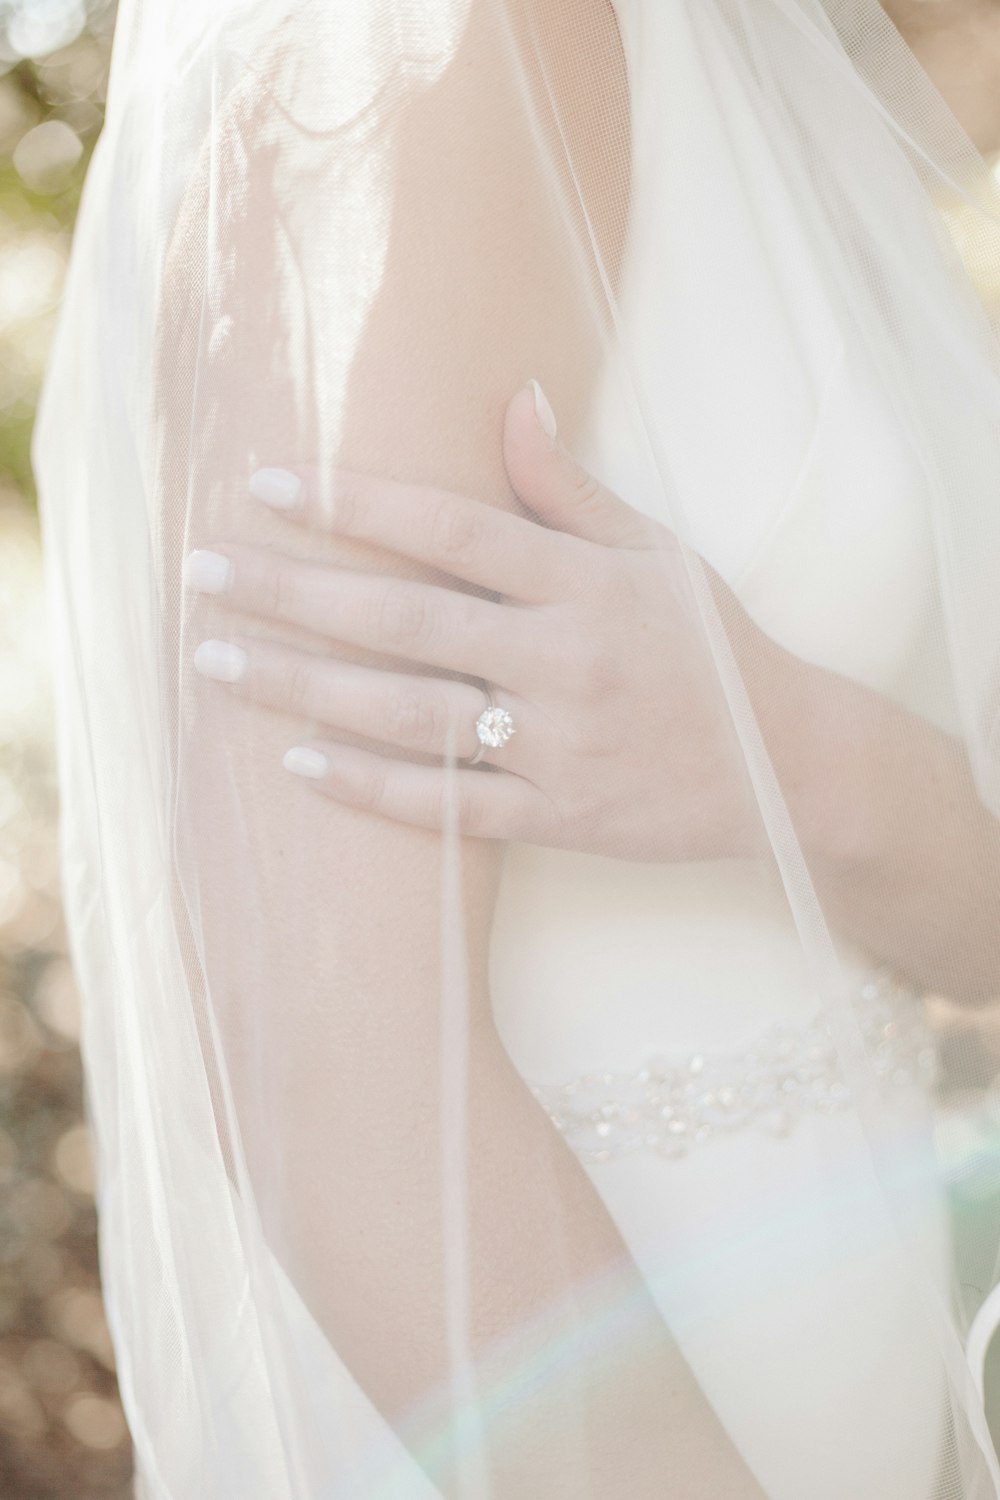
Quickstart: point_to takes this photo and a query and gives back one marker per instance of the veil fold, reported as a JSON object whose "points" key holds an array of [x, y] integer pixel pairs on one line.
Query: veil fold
{"points": [[754, 260]]}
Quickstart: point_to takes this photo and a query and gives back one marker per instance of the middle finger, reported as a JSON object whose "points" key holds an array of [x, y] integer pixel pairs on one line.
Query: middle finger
{"points": [[392, 616]]}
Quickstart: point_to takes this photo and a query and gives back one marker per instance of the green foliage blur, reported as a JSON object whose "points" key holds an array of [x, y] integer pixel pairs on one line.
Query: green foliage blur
{"points": [[63, 1434], [54, 58]]}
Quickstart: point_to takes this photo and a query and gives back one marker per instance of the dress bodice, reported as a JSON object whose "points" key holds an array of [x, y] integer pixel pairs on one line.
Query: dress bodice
{"points": [[781, 460], [783, 463]]}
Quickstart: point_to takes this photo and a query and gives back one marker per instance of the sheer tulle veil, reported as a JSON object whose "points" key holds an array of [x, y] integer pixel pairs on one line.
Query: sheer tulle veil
{"points": [[781, 335]]}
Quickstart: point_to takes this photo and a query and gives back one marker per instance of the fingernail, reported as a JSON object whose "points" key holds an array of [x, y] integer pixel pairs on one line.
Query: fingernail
{"points": [[278, 488], [209, 572], [543, 411], [221, 661], [304, 762]]}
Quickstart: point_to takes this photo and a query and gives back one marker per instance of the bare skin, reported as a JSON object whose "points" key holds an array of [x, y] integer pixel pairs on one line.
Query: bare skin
{"points": [[636, 1425], [958, 44]]}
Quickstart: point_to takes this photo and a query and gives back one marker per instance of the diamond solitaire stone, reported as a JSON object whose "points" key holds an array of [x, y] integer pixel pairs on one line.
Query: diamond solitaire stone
{"points": [[494, 727]]}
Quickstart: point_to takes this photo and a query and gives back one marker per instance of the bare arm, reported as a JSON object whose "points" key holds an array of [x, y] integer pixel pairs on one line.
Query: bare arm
{"points": [[958, 44], [470, 305], [914, 872]]}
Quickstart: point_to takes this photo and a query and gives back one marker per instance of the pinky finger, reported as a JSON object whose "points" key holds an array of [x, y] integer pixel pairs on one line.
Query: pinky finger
{"points": [[477, 804]]}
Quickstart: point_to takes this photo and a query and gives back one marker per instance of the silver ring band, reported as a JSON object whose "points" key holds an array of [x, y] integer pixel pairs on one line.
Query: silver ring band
{"points": [[474, 760]]}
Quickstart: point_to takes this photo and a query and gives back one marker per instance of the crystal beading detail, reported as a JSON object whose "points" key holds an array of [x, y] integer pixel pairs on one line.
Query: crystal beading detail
{"points": [[670, 1105]]}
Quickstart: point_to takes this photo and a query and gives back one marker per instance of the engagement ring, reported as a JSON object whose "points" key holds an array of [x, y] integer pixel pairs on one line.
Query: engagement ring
{"points": [[494, 727]]}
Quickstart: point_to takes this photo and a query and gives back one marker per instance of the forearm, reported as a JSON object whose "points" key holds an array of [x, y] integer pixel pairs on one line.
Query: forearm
{"points": [[905, 856]]}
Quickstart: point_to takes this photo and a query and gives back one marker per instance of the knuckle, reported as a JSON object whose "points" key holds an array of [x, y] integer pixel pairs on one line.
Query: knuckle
{"points": [[585, 488], [369, 790], [556, 823], [468, 810], [598, 672], [464, 616], [345, 510], [413, 719], [617, 590], [572, 580], [513, 818], [300, 688], [457, 532], [404, 619], [281, 591], [586, 579]]}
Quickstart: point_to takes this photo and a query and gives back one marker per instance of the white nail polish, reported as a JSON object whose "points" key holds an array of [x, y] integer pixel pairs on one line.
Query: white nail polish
{"points": [[305, 762], [221, 661], [208, 572], [543, 411], [278, 488]]}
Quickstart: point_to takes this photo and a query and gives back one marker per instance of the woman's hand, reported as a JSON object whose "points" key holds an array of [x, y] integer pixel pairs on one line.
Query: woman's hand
{"points": [[592, 643]]}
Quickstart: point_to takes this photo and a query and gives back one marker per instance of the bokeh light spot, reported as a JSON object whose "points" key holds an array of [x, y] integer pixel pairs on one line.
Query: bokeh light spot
{"points": [[95, 1421], [74, 1159], [46, 157], [51, 1367], [39, 1208], [57, 1000], [36, 27], [77, 1314], [20, 1410], [20, 1039]]}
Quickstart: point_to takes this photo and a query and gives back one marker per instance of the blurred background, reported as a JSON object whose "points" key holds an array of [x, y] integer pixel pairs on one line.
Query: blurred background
{"points": [[62, 1433]]}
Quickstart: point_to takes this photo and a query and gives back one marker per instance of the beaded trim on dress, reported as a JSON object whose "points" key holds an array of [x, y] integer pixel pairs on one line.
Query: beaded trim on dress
{"points": [[670, 1105]]}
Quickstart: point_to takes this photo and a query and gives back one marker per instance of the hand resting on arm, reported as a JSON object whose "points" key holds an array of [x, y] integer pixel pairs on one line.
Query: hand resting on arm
{"points": [[625, 752]]}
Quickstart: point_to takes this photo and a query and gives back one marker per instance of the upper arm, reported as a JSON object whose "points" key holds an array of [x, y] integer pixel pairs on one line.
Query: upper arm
{"points": [[485, 284], [318, 912]]}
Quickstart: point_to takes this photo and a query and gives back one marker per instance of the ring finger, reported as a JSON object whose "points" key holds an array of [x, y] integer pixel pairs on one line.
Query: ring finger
{"points": [[431, 715]]}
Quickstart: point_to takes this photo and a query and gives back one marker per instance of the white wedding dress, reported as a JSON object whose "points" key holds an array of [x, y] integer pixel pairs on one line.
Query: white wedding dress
{"points": [[767, 1245], [599, 965], [797, 366]]}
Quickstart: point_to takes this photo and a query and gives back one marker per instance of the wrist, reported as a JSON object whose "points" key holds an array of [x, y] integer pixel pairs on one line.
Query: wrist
{"points": [[820, 730]]}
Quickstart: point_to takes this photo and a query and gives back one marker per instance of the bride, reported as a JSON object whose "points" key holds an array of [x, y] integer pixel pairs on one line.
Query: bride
{"points": [[519, 482]]}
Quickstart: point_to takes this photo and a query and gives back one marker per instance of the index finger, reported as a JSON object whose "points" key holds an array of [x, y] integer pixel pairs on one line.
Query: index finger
{"points": [[467, 538]]}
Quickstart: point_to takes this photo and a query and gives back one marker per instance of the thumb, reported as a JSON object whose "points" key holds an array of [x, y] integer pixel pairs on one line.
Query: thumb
{"points": [[556, 487]]}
